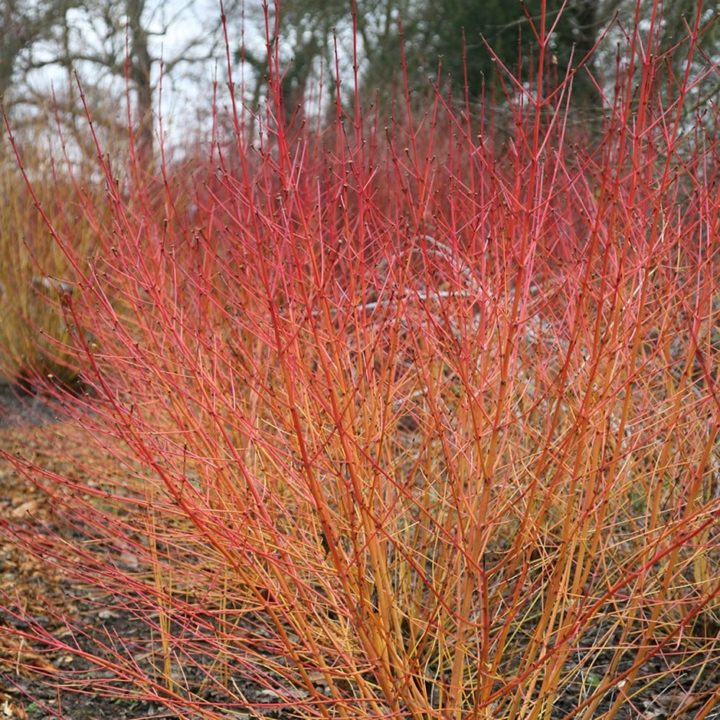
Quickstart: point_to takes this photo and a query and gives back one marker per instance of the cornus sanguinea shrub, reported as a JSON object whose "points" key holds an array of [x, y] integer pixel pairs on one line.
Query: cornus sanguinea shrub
{"points": [[409, 418]]}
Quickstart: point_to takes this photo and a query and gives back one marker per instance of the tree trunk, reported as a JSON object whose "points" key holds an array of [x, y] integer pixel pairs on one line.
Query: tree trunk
{"points": [[140, 75]]}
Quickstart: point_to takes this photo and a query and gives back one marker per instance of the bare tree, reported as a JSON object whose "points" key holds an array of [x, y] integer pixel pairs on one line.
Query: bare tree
{"points": [[113, 44], [23, 24]]}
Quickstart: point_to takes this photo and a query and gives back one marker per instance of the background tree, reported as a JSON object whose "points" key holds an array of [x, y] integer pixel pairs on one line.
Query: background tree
{"points": [[113, 42], [678, 18], [114, 45], [311, 29], [21, 25]]}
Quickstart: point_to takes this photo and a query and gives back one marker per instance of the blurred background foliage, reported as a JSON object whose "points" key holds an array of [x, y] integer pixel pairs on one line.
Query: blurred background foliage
{"points": [[121, 48]]}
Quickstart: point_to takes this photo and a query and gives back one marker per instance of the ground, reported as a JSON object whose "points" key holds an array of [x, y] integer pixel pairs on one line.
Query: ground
{"points": [[28, 427]]}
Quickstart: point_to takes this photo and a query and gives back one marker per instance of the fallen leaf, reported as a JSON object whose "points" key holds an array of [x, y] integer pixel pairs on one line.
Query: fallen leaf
{"points": [[128, 560], [28, 507]]}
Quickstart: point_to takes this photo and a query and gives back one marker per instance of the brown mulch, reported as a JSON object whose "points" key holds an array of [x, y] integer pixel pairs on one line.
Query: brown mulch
{"points": [[23, 577], [29, 428]]}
